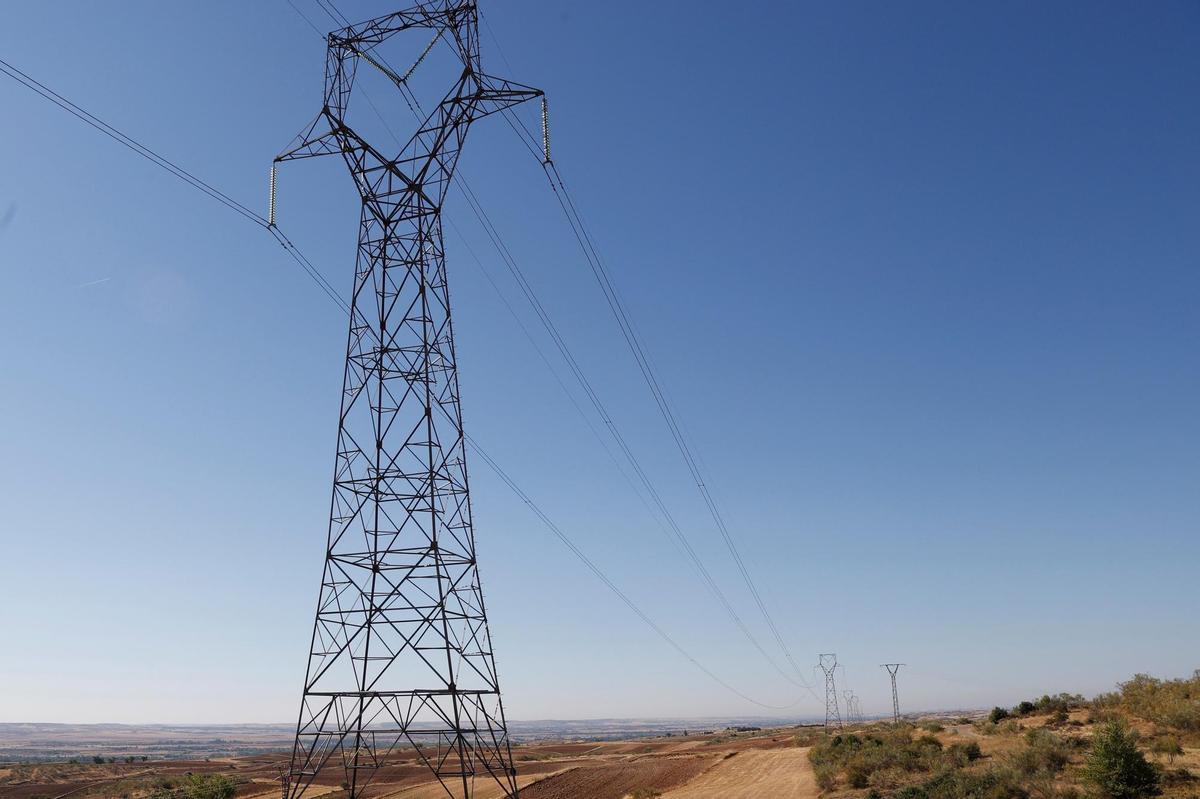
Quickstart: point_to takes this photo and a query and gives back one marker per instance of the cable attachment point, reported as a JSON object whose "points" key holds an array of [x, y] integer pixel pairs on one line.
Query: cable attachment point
{"points": [[545, 131]]}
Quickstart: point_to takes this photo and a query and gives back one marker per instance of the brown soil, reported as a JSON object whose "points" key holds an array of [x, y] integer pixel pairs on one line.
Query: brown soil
{"points": [[753, 774], [616, 780]]}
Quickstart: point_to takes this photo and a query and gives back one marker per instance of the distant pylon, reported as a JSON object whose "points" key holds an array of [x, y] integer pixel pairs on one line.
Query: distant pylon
{"points": [[828, 663], [849, 696], [892, 668]]}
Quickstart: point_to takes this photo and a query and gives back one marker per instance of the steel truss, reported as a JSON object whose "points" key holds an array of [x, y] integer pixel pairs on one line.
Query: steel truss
{"points": [[828, 664], [401, 657]]}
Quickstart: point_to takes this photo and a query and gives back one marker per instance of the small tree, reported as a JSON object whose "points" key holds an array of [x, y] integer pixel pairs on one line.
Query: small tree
{"points": [[1116, 767], [997, 715]]}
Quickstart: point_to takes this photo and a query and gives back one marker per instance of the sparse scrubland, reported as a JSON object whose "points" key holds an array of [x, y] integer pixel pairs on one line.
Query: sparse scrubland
{"points": [[1140, 741]]}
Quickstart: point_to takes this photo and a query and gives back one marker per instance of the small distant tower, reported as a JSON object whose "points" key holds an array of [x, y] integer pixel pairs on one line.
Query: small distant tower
{"points": [[892, 668], [828, 664]]}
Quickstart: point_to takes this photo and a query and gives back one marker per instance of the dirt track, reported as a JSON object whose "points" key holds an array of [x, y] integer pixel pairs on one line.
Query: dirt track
{"points": [[754, 774], [614, 780]]}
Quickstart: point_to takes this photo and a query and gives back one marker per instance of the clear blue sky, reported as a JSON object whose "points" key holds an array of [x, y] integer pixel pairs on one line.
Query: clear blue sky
{"points": [[921, 279]]}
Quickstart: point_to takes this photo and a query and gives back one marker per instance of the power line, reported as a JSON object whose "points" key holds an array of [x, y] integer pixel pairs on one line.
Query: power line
{"points": [[298, 256], [637, 348], [676, 534], [145, 152], [554, 528], [170, 166]]}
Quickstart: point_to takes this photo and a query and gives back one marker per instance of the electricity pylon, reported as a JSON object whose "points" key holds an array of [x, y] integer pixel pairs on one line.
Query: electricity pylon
{"points": [[828, 664], [892, 669], [401, 656], [853, 708]]}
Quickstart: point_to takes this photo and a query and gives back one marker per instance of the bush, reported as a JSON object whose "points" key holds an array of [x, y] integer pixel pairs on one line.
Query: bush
{"points": [[912, 792], [1172, 703], [997, 715], [826, 775], [1024, 708], [884, 761], [196, 786], [858, 775], [1044, 753], [888, 779], [1116, 767], [1168, 747], [993, 784], [970, 751]]}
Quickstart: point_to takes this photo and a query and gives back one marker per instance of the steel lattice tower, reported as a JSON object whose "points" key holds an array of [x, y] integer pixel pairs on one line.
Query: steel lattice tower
{"points": [[892, 669], [828, 663], [401, 657]]}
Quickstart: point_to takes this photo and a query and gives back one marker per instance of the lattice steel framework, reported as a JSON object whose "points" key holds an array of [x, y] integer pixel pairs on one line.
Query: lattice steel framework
{"points": [[828, 664], [853, 708], [893, 669], [401, 656]]}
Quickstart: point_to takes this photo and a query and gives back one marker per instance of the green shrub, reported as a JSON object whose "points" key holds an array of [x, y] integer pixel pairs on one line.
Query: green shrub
{"points": [[196, 786], [957, 784], [1024, 708], [888, 779], [1044, 753], [1116, 768], [970, 751], [928, 740], [1168, 747], [912, 792], [826, 775], [997, 715], [1172, 703], [858, 775]]}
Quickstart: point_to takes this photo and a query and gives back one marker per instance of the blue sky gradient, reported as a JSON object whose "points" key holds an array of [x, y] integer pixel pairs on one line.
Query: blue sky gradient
{"points": [[921, 279]]}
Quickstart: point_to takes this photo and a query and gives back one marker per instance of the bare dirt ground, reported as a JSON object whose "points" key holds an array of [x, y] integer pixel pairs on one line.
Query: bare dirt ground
{"points": [[768, 763], [753, 774]]}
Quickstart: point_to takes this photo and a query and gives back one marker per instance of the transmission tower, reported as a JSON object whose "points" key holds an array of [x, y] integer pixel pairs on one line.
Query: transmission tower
{"points": [[853, 709], [401, 657], [892, 669], [828, 664]]}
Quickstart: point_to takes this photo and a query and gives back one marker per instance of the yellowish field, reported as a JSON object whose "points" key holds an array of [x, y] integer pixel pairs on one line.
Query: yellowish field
{"points": [[753, 774]]}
